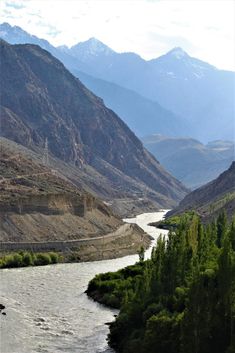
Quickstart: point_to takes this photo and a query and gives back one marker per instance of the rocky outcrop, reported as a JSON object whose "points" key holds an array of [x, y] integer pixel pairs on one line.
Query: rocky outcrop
{"points": [[54, 204], [37, 205]]}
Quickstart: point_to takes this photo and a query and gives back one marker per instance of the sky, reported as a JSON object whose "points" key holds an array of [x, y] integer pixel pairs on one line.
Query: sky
{"points": [[203, 28]]}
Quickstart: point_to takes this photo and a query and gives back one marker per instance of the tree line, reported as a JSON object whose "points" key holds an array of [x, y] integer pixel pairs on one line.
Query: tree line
{"points": [[180, 301]]}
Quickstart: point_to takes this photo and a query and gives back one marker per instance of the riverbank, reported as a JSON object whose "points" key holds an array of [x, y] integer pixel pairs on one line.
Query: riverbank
{"points": [[110, 288], [26, 258], [126, 240]]}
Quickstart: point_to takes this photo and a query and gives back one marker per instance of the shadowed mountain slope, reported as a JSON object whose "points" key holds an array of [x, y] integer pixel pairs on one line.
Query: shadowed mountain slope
{"points": [[188, 88], [42, 100], [142, 115], [211, 199], [133, 108]]}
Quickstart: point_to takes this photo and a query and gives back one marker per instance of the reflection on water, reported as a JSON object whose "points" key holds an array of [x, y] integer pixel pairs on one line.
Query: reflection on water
{"points": [[47, 310]]}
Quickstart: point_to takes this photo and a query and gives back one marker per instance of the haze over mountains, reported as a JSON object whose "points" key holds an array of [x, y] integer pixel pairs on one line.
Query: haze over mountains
{"points": [[191, 92], [129, 105], [189, 160], [41, 99], [189, 87], [134, 108]]}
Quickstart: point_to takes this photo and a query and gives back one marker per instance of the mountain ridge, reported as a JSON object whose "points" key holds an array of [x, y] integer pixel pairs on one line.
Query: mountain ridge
{"points": [[132, 107], [188, 87], [211, 199], [116, 97], [47, 101]]}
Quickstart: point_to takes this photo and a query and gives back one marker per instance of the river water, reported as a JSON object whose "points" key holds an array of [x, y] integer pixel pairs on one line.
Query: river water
{"points": [[47, 309]]}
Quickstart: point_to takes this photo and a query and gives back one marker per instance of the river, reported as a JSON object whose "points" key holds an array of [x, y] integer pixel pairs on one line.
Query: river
{"points": [[47, 309]]}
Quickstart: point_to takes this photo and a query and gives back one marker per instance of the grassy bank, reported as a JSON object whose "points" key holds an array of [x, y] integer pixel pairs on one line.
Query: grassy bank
{"points": [[29, 258], [26, 258]]}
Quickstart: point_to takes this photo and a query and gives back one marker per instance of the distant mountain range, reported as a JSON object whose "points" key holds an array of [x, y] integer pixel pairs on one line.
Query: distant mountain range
{"points": [[211, 199], [41, 100], [189, 87], [133, 108], [185, 92], [189, 160]]}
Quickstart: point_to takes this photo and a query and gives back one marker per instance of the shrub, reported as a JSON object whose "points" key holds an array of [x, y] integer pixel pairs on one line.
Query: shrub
{"points": [[111, 300], [42, 259], [13, 260], [27, 259], [54, 257], [2, 263]]}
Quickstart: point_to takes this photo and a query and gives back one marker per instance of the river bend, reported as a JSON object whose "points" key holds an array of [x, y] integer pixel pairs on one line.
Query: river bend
{"points": [[47, 309]]}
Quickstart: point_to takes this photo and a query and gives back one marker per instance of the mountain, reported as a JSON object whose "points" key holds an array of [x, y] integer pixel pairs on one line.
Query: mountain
{"points": [[37, 204], [133, 108], [142, 115], [187, 86], [16, 35], [90, 49], [107, 64], [213, 198], [41, 100], [189, 160], [197, 92]]}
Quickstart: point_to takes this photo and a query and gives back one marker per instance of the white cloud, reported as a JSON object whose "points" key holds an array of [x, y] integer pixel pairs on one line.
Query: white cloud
{"points": [[204, 28]]}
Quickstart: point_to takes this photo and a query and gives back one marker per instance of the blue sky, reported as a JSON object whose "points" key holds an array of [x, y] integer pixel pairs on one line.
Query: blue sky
{"points": [[203, 28]]}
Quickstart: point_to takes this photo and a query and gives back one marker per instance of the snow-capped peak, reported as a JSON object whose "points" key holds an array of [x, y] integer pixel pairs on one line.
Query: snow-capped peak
{"points": [[97, 46], [178, 53], [92, 47]]}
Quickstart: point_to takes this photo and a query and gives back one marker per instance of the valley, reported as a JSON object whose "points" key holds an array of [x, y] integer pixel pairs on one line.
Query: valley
{"points": [[117, 177]]}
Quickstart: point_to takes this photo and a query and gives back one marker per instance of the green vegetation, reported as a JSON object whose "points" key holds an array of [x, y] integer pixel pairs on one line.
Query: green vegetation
{"points": [[110, 288], [180, 301], [25, 258], [174, 221], [220, 203]]}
